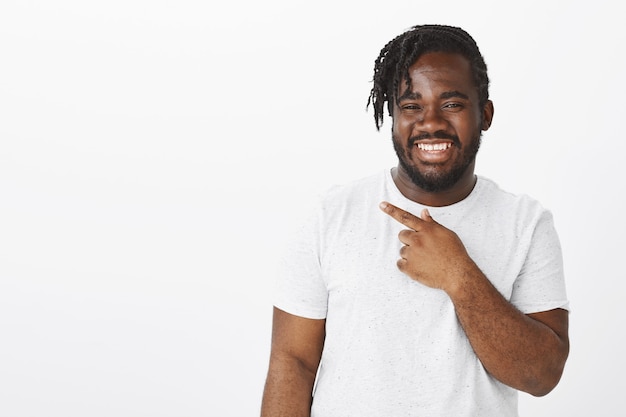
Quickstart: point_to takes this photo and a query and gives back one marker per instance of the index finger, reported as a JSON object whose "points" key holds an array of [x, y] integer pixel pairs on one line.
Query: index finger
{"points": [[402, 216]]}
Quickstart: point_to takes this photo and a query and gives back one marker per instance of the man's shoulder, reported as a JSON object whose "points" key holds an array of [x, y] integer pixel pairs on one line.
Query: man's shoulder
{"points": [[353, 199], [508, 202], [359, 188]]}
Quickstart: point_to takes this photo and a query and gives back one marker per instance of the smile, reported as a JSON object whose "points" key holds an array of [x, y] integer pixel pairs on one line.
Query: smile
{"points": [[434, 146]]}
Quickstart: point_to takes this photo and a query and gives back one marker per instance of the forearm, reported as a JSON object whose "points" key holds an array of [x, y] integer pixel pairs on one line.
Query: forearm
{"points": [[518, 350], [288, 389]]}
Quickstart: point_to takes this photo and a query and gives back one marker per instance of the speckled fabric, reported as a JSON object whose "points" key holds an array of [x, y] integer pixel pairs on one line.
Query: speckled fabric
{"points": [[393, 346]]}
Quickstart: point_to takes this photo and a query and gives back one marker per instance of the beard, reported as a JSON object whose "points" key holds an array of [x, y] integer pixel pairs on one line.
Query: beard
{"points": [[437, 180]]}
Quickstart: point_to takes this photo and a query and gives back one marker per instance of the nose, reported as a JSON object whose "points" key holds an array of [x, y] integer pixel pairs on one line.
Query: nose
{"points": [[431, 120]]}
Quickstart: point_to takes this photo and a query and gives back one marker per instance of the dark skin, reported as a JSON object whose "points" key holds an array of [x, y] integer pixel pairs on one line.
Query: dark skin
{"points": [[297, 345], [525, 351], [443, 99]]}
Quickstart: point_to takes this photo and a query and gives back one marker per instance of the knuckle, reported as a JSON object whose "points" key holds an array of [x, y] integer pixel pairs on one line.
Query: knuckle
{"points": [[406, 217], [408, 236], [401, 263]]}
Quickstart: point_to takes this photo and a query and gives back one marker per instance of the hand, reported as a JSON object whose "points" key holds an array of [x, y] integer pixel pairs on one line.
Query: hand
{"points": [[432, 254]]}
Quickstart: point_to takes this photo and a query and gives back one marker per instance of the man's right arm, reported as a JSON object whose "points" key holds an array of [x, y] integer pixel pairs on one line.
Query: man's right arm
{"points": [[296, 351]]}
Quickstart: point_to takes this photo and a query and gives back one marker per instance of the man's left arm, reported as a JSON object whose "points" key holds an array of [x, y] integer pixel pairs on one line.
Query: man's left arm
{"points": [[526, 352]]}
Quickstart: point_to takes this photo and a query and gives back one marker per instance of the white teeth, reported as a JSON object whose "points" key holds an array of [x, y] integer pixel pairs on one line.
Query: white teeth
{"points": [[434, 147]]}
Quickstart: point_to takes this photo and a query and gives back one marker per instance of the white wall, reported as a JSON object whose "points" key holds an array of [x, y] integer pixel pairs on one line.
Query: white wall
{"points": [[153, 156]]}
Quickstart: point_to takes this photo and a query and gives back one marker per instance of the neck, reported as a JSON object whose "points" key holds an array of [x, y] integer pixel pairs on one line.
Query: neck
{"points": [[459, 191]]}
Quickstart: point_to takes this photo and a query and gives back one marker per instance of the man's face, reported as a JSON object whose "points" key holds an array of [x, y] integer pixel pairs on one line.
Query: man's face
{"points": [[437, 124]]}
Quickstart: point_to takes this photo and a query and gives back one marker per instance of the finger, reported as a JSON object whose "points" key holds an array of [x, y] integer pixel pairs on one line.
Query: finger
{"points": [[425, 215], [401, 216], [407, 236], [402, 264], [403, 251]]}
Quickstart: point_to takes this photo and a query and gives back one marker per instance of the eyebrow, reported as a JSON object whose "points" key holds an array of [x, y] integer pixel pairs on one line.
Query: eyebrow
{"points": [[453, 94], [410, 95]]}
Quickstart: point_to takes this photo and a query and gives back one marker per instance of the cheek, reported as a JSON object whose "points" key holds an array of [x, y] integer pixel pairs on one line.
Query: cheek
{"points": [[468, 126], [401, 128]]}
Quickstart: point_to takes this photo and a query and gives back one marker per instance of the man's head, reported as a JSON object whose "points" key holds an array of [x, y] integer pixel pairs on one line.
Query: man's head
{"points": [[391, 68], [435, 83]]}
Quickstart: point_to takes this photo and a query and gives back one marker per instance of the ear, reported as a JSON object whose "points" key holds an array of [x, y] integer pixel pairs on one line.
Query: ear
{"points": [[487, 115]]}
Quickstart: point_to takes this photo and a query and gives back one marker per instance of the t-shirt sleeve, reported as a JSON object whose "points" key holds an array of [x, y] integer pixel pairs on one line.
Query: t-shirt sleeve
{"points": [[540, 285], [299, 288]]}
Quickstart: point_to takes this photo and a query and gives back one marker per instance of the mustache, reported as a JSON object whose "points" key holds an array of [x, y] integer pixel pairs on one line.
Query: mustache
{"points": [[437, 135]]}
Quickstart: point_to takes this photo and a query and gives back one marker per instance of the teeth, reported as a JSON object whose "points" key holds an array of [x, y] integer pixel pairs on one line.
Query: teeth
{"points": [[434, 147]]}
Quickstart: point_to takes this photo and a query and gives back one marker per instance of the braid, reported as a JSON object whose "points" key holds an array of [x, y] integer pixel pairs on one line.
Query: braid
{"points": [[392, 65]]}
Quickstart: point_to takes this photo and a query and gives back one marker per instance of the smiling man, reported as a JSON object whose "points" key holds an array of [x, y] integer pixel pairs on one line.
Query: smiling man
{"points": [[439, 108], [424, 289]]}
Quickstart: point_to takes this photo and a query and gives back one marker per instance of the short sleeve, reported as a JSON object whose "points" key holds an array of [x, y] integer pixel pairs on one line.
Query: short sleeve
{"points": [[299, 286], [540, 286]]}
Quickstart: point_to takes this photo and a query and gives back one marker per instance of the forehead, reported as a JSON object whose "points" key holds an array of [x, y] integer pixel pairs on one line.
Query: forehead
{"points": [[443, 69]]}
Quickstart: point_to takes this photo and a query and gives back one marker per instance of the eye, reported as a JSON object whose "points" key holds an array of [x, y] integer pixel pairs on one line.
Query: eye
{"points": [[410, 107], [453, 106]]}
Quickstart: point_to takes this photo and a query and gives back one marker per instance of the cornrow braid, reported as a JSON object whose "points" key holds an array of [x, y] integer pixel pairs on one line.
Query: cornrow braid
{"points": [[392, 65]]}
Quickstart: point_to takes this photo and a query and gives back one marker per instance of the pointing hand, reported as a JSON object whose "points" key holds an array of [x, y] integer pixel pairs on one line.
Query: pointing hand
{"points": [[432, 254]]}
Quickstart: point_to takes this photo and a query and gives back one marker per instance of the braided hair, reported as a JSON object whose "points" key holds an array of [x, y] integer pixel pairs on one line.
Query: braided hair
{"points": [[392, 65]]}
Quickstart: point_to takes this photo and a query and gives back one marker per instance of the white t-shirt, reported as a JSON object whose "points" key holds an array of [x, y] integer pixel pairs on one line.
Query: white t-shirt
{"points": [[394, 347]]}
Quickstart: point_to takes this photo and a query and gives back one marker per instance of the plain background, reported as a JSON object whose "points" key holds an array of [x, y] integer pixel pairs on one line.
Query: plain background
{"points": [[155, 154]]}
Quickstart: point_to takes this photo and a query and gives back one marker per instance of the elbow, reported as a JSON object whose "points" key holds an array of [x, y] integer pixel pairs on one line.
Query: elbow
{"points": [[542, 389], [546, 380], [540, 386]]}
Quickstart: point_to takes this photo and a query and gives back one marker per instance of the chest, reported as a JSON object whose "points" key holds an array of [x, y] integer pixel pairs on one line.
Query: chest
{"points": [[359, 257]]}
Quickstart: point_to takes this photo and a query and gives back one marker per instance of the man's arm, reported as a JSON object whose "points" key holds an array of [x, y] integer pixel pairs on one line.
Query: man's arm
{"points": [[295, 355], [526, 352]]}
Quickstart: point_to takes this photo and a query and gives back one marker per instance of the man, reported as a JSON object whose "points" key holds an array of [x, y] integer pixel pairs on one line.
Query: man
{"points": [[424, 290]]}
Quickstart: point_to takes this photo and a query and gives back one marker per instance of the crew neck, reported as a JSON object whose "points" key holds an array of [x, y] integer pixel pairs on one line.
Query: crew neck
{"points": [[395, 192]]}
